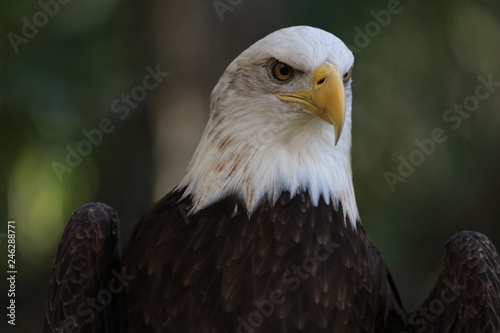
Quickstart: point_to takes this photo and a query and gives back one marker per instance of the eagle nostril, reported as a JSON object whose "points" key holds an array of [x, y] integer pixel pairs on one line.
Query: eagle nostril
{"points": [[321, 81]]}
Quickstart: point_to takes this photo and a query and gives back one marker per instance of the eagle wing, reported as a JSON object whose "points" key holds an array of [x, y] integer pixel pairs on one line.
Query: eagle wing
{"points": [[466, 297], [84, 273]]}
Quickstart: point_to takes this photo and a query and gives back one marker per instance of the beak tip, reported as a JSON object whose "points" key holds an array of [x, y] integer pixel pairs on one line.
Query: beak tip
{"points": [[338, 127], [337, 137]]}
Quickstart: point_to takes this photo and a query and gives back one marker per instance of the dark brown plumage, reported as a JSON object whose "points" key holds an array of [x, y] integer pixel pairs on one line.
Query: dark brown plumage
{"points": [[288, 268], [88, 258], [466, 297]]}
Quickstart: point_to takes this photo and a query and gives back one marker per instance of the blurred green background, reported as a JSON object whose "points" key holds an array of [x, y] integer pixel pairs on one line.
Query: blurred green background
{"points": [[414, 61]]}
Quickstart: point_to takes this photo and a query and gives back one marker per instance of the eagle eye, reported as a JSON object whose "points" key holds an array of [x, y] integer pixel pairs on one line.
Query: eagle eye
{"points": [[347, 76], [281, 72]]}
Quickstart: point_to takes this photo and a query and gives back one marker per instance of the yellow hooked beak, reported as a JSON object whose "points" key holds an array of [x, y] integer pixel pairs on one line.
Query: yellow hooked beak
{"points": [[326, 99]]}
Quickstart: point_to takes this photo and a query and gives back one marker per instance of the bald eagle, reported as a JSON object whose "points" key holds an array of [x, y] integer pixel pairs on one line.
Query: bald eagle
{"points": [[262, 234]]}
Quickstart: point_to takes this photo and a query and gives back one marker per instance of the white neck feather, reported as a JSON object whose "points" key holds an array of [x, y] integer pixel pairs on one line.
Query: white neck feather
{"points": [[259, 157]]}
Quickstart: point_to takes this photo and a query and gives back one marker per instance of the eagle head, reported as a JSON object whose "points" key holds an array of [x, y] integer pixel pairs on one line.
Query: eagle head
{"points": [[280, 120]]}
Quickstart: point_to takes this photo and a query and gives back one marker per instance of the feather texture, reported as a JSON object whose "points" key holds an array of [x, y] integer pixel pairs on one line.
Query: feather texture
{"points": [[232, 273], [84, 273]]}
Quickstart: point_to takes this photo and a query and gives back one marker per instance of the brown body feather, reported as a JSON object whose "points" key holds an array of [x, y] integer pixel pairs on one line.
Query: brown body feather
{"points": [[290, 267], [287, 268], [88, 258]]}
